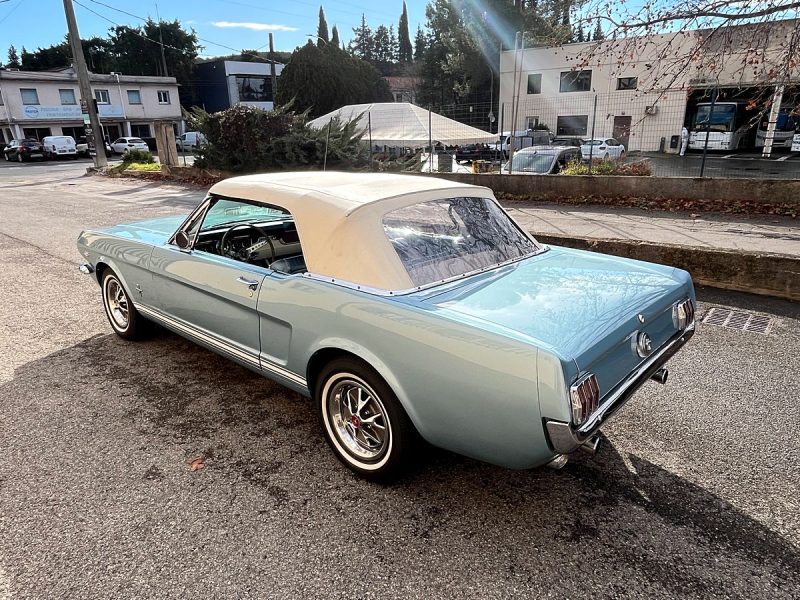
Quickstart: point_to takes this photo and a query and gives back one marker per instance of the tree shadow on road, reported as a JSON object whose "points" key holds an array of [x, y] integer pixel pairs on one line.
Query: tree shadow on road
{"points": [[619, 518]]}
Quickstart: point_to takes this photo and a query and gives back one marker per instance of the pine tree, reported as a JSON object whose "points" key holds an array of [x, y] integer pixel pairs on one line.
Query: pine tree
{"points": [[382, 48], [335, 37], [13, 58], [362, 45], [392, 53], [404, 50], [598, 33], [419, 43], [322, 29], [579, 35]]}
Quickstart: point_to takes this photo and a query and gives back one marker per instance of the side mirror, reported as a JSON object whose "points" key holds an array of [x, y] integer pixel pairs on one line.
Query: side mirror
{"points": [[182, 240]]}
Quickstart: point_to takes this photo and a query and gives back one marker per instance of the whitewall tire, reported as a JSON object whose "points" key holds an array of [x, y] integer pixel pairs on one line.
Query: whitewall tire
{"points": [[363, 422]]}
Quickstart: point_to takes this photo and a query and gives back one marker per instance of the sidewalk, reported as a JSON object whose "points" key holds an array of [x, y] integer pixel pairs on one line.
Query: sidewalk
{"points": [[759, 233], [759, 254]]}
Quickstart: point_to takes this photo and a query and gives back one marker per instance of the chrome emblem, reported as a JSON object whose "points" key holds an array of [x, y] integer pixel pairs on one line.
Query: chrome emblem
{"points": [[641, 318], [643, 344]]}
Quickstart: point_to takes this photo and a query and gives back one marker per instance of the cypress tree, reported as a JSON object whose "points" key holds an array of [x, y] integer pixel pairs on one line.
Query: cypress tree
{"points": [[404, 51], [335, 37], [322, 29]]}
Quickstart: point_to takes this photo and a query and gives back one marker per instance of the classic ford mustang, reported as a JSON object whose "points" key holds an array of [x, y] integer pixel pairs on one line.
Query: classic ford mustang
{"points": [[406, 307]]}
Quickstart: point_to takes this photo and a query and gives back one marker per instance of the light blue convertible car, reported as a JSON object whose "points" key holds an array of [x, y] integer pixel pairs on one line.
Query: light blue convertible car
{"points": [[406, 307]]}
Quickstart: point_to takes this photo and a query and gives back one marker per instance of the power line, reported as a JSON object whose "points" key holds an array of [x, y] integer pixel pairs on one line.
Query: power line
{"points": [[139, 17], [11, 12]]}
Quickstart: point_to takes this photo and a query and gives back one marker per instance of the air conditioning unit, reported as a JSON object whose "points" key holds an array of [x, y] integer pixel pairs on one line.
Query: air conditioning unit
{"points": [[651, 110]]}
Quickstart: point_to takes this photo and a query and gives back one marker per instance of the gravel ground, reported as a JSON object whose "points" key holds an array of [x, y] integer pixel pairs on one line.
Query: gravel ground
{"points": [[693, 494]]}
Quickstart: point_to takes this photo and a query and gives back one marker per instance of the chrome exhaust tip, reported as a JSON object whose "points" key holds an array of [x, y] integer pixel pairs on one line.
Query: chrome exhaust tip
{"points": [[558, 462], [660, 376], [591, 445]]}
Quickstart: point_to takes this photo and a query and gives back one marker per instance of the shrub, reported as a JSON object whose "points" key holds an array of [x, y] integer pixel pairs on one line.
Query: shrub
{"points": [[137, 156], [600, 167], [247, 139], [151, 166]]}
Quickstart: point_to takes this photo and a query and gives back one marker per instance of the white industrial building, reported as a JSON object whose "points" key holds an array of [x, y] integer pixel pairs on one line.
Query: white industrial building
{"points": [[37, 104], [634, 90]]}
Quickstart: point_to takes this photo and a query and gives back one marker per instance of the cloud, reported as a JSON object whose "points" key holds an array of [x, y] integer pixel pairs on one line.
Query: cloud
{"points": [[253, 26]]}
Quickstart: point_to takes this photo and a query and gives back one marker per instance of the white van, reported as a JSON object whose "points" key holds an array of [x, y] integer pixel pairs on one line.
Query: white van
{"points": [[191, 140], [59, 145], [524, 138]]}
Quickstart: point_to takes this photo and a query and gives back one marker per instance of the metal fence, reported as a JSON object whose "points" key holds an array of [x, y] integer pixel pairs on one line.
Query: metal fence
{"points": [[722, 137]]}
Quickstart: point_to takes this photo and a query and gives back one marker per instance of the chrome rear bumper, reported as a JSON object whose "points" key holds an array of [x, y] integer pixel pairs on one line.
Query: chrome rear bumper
{"points": [[564, 438]]}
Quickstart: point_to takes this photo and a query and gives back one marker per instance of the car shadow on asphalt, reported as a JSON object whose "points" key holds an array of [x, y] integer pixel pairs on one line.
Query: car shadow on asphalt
{"points": [[627, 512]]}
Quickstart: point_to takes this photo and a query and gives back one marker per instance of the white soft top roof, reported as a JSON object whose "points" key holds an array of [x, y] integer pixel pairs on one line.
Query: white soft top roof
{"points": [[339, 217]]}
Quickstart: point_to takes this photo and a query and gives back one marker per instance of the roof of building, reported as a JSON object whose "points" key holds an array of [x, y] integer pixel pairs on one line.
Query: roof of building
{"points": [[339, 217], [68, 74]]}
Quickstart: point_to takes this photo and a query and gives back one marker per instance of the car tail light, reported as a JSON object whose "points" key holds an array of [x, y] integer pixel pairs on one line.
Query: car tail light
{"points": [[584, 397], [683, 314]]}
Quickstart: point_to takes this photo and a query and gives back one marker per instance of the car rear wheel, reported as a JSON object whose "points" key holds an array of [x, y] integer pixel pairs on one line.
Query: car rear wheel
{"points": [[363, 421], [121, 313]]}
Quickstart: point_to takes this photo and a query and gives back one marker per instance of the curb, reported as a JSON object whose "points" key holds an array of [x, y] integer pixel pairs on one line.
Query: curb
{"points": [[763, 273]]}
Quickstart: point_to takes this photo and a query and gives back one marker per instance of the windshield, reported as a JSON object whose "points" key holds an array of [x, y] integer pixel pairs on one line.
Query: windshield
{"points": [[530, 162], [445, 238], [721, 120], [226, 212]]}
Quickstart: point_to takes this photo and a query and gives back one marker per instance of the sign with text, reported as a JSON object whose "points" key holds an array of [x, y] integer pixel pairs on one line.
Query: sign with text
{"points": [[73, 111], [796, 143]]}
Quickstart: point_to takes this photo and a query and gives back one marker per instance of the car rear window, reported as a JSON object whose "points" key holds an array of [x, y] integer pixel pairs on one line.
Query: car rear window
{"points": [[136, 141], [445, 238]]}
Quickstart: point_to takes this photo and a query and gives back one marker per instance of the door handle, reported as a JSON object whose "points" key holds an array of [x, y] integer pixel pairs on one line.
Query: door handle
{"points": [[252, 284]]}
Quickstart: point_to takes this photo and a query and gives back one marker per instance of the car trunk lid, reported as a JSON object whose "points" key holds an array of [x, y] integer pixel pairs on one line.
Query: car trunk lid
{"points": [[584, 306]]}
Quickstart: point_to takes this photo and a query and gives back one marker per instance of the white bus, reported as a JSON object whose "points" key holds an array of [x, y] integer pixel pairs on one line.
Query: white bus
{"points": [[786, 126], [727, 125]]}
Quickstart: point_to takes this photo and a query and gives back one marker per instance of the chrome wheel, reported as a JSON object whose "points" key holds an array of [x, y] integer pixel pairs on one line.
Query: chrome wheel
{"points": [[358, 418], [117, 304]]}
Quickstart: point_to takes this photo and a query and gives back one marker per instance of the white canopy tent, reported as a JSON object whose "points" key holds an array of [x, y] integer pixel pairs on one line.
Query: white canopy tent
{"points": [[404, 124]]}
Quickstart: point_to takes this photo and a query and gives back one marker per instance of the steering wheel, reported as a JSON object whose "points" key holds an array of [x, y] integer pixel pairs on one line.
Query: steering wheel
{"points": [[247, 253]]}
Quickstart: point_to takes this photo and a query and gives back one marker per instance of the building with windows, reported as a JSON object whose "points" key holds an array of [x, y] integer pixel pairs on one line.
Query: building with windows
{"points": [[225, 83], [645, 90], [36, 104]]}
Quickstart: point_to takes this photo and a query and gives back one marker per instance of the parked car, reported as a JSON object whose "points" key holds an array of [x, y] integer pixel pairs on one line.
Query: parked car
{"points": [[56, 146], [603, 149], [22, 150], [191, 140], [472, 152], [406, 307], [541, 160], [125, 144], [567, 141], [524, 138], [82, 146]]}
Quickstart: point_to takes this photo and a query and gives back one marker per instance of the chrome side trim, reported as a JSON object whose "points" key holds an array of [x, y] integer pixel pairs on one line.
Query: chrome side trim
{"points": [[268, 365], [183, 328], [565, 439], [259, 362]]}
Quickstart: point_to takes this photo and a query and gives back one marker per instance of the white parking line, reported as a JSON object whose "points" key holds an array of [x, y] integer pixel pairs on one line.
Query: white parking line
{"points": [[730, 155], [782, 158]]}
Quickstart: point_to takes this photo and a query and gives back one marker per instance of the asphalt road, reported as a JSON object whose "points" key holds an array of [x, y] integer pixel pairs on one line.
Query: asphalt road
{"points": [[695, 493]]}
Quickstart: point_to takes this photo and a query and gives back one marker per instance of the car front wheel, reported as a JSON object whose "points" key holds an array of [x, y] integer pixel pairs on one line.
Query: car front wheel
{"points": [[121, 312], [363, 421]]}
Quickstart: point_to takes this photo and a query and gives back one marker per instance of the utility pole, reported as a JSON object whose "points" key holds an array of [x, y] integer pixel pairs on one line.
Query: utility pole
{"points": [[272, 73], [161, 43], [85, 86]]}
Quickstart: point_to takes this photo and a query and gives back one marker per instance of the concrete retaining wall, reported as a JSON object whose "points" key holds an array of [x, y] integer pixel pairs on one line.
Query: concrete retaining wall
{"points": [[757, 273], [652, 188]]}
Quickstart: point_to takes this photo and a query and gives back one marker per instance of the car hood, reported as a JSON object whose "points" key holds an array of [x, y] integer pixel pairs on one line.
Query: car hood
{"points": [[579, 305], [151, 231]]}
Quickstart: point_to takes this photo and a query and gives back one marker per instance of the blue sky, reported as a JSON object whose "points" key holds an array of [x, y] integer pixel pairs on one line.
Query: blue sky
{"points": [[236, 24]]}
